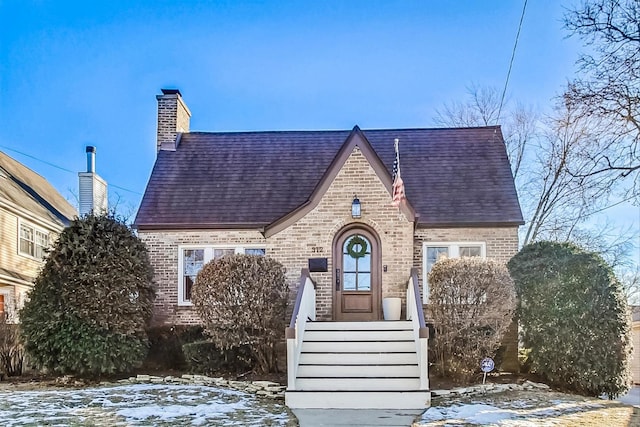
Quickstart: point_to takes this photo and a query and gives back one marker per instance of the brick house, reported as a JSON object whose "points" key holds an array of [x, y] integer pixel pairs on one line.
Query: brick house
{"points": [[289, 196], [32, 214]]}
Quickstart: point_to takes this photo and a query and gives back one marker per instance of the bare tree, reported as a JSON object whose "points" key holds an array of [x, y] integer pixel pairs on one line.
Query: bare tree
{"points": [[608, 83], [552, 162], [481, 109], [631, 283], [556, 202], [118, 205]]}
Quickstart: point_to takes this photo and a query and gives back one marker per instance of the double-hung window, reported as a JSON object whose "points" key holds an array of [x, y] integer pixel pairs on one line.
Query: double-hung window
{"points": [[32, 241], [191, 259], [433, 251]]}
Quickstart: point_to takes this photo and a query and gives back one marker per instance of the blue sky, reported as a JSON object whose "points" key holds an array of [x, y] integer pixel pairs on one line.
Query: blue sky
{"points": [[76, 73]]}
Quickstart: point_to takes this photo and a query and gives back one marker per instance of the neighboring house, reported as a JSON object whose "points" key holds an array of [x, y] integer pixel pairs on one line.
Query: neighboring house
{"points": [[290, 195], [92, 189], [32, 214], [635, 330]]}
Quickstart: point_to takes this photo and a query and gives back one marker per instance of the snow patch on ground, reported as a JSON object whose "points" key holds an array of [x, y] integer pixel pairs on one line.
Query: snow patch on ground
{"points": [[140, 404], [469, 413], [520, 412]]}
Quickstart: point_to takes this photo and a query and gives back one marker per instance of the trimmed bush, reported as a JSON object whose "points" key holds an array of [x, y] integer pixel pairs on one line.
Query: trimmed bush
{"points": [[242, 300], [203, 357], [574, 318], [88, 311], [472, 302]]}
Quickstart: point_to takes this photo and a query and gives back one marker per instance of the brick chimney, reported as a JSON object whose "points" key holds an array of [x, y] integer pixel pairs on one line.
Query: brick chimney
{"points": [[173, 118]]}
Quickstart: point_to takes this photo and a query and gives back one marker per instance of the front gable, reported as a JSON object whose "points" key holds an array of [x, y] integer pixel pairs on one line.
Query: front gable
{"points": [[320, 230], [355, 141]]}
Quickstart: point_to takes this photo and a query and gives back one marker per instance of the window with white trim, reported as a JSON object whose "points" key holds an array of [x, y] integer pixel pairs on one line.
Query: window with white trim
{"points": [[191, 259], [32, 241], [433, 251]]}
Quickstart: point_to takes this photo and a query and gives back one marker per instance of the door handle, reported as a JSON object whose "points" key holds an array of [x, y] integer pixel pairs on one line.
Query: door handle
{"points": [[337, 279]]}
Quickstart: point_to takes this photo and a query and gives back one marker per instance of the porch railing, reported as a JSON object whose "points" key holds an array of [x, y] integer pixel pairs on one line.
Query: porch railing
{"points": [[415, 313], [304, 310]]}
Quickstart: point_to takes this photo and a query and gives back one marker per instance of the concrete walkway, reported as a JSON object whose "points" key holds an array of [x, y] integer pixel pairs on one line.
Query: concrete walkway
{"points": [[356, 417], [631, 398]]}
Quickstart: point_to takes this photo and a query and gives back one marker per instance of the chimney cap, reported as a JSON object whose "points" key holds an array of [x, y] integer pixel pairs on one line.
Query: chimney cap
{"points": [[171, 92], [90, 149]]}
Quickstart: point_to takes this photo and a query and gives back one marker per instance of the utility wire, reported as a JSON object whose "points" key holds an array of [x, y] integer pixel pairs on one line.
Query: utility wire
{"points": [[63, 169], [619, 202], [513, 55]]}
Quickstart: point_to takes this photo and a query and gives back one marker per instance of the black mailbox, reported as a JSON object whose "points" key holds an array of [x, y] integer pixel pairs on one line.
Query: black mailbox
{"points": [[318, 265]]}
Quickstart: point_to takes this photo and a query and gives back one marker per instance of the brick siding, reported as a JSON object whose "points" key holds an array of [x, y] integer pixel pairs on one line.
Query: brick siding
{"points": [[173, 117], [313, 236]]}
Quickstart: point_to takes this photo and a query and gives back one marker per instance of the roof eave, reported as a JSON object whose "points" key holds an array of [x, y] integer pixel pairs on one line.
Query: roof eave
{"points": [[203, 226], [470, 224]]}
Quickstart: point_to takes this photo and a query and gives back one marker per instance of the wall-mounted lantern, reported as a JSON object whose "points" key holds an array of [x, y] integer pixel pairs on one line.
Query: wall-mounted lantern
{"points": [[355, 207]]}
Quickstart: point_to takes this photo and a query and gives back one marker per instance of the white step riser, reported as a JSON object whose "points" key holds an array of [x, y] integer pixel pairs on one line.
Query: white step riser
{"points": [[324, 371], [358, 326], [358, 358], [358, 400], [358, 347], [358, 336], [358, 384]]}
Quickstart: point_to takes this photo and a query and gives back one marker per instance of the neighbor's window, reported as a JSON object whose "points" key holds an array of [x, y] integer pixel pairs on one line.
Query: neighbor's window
{"points": [[433, 251], [191, 259], [32, 241]]}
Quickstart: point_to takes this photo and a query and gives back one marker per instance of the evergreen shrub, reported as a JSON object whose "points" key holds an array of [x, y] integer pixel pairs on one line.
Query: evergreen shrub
{"points": [[574, 318], [89, 308]]}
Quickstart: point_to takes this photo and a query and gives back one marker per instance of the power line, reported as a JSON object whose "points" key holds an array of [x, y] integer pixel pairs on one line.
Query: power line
{"points": [[513, 55], [627, 199], [61, 168]]}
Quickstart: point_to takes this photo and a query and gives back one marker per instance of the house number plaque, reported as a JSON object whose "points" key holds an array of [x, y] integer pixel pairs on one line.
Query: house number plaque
{"points": [[317, 250]]}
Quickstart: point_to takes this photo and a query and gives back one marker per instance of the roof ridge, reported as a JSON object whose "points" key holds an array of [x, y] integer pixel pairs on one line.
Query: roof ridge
{"points": [[434, 128], [283, 131], [268, 131]]}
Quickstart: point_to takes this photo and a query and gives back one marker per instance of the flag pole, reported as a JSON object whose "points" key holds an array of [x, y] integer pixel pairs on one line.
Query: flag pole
{"points": [[396, 144], [397, 195]]}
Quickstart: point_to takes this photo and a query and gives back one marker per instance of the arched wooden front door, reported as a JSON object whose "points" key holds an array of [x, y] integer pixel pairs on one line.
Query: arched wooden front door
{"points": [[356, 275]]}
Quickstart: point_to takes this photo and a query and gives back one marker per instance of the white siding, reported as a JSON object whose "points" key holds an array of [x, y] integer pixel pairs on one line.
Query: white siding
{"points": [[635, 361], [92, 193]]}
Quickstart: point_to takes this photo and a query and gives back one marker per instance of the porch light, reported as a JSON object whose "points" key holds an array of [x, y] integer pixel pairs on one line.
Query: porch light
{"points": [[355, 207]]}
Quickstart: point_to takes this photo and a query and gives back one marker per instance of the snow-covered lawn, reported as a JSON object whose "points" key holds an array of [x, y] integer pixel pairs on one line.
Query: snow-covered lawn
{"points": [[140, 405], [528, 409]]}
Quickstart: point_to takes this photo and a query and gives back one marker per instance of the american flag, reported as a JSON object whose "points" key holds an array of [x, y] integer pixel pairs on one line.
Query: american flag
{"points": [[398, 185]]}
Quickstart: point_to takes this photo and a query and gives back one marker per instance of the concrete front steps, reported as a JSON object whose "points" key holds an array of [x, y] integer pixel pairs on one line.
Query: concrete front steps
{"points": [[358, 365]]}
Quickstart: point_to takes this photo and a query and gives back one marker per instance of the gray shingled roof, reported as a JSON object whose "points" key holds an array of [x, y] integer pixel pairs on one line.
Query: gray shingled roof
{"points": [[457, 176], [24, 188]]}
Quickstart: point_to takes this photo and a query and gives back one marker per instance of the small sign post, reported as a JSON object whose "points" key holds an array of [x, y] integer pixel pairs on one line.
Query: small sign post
{"points": [[486, 366]]}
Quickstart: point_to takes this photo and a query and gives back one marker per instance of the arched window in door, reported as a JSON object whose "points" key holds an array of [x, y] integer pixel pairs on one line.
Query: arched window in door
{"points": [[356, 263]]}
